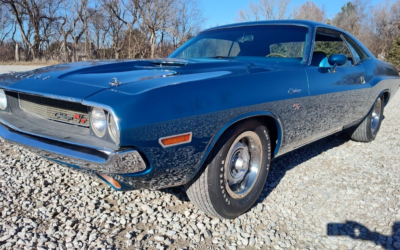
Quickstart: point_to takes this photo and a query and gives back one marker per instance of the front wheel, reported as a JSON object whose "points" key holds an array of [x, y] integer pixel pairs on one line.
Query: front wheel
{"points": [[236, 175], [369, 128]]}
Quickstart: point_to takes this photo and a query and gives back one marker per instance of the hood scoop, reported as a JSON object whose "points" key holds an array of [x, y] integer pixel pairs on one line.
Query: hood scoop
{"points": [[167, 63]]}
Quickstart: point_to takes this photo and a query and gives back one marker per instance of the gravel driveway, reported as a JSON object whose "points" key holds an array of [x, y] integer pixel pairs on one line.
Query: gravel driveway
{"points": [[8, 68], [333, 194]]}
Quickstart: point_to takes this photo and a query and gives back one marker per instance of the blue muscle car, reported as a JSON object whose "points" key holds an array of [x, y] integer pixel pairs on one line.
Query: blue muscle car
{"points": [[211, 117]]}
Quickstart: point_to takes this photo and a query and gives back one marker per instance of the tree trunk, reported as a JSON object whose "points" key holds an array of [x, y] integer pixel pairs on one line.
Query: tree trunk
{"points": [[17, 52], [75, 59], [129, 48], [152, 44], [66, 52]]}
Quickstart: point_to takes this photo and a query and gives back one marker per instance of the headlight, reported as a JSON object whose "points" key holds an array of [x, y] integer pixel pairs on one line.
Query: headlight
{"points": [[98, 121], [3, 100], [113, 128]]}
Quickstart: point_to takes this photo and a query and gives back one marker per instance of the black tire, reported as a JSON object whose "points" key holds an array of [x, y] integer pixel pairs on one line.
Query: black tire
{"points": [[367, 130], [210, 190]]}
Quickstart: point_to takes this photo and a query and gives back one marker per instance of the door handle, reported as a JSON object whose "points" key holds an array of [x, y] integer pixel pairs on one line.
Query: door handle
{"points": [[362, 78]]}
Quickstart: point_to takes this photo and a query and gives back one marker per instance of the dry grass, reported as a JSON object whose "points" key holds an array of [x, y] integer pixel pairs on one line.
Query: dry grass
{"points": [[31, 63]]}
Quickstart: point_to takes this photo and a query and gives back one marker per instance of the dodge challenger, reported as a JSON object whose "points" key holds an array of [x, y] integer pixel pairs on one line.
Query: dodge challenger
{"points": [[210, 117]]}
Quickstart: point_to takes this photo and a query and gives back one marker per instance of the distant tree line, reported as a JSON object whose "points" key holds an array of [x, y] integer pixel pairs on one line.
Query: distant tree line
{"points": [[74, 30], [376, 26]]}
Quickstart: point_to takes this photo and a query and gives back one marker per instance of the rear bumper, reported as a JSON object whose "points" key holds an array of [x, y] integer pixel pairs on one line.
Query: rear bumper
{"points": [[77, 156]]}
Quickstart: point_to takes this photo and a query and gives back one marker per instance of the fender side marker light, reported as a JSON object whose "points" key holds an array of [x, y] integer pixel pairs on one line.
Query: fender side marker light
{"points": [[175, 140]]}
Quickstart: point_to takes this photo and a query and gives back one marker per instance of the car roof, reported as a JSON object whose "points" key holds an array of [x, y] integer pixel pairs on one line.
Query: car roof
{"points": [[307, 23]]}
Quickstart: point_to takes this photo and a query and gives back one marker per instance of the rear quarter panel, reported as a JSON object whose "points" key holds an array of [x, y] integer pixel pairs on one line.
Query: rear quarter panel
{"points": [[383, 78]]}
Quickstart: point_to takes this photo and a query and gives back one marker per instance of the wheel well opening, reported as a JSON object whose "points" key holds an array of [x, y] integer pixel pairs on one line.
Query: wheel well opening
{"points": [[273, 132], [266, 120], [386, 96]]}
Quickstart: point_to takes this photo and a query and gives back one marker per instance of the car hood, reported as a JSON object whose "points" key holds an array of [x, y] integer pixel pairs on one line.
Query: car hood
{"points": [[77, 81]]}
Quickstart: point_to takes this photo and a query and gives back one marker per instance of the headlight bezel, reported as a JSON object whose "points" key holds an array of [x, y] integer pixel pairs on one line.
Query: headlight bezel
{"points": [[112, 129], [112, 124], [95, 127], [3, 97]]}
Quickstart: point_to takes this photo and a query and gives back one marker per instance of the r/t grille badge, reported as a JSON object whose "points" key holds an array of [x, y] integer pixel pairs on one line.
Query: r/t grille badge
{"points": [[296, 106], [77, 118]]}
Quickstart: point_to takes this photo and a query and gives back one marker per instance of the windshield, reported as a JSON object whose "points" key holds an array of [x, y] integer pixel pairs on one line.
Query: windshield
{"points": [[280, 42]]}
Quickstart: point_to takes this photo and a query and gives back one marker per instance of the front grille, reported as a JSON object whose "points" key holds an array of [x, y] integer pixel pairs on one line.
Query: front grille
{"points": [[57, 110]]}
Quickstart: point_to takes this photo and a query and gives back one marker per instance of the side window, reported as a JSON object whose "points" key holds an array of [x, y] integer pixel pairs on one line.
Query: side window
{"points": [[327, 43], [332, 47], [358, 53]]}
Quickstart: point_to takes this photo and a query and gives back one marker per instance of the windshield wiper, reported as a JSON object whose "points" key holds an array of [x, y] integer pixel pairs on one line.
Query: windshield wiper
{"points": [[222, 57]]}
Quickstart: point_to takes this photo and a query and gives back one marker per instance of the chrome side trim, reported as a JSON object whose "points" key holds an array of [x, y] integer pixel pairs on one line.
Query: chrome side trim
{"points": [[110, 162]]}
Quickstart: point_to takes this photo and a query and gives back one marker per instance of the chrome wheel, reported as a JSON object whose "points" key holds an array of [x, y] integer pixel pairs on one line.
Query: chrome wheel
{"points": [[243, 164], [376, 114]]}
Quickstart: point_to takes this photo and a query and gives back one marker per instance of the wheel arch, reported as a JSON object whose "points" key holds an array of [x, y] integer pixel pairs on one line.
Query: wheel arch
{"points": [[386, 96], [269, 119]]}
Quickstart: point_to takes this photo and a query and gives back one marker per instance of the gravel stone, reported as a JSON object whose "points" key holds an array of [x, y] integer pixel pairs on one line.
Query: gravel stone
{"points": [[159, 238]]}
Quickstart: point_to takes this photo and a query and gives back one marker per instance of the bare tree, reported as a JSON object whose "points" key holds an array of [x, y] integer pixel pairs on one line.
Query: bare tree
{"points": [[32, 16], [65, 28], [353, 17], [386, 21], [155, 14], [274, 9], [186, 22], [81, 15], [251, 14], [6, 24], [116, 17], [310, 11], [99, 27], [265, 9], [139, 46], [128, 17]]}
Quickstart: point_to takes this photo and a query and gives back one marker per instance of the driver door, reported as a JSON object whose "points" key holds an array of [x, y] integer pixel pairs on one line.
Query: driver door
{"points": [[336, 97]]}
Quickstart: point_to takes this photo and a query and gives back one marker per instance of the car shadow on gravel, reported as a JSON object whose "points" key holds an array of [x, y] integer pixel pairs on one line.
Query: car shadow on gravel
{"points": [[284, 163], [358, 231], [179, 192]]}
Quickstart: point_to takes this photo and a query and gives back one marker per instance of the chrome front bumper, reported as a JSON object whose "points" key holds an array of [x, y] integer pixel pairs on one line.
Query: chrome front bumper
{"points": [[80, 157]]}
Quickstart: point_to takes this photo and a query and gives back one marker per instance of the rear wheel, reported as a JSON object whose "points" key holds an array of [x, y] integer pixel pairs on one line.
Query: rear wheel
{"points": [[233, 180], [369, 128]]}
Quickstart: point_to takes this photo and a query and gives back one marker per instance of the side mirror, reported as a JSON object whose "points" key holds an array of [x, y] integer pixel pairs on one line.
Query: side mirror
{"points": [[336, 60]]}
